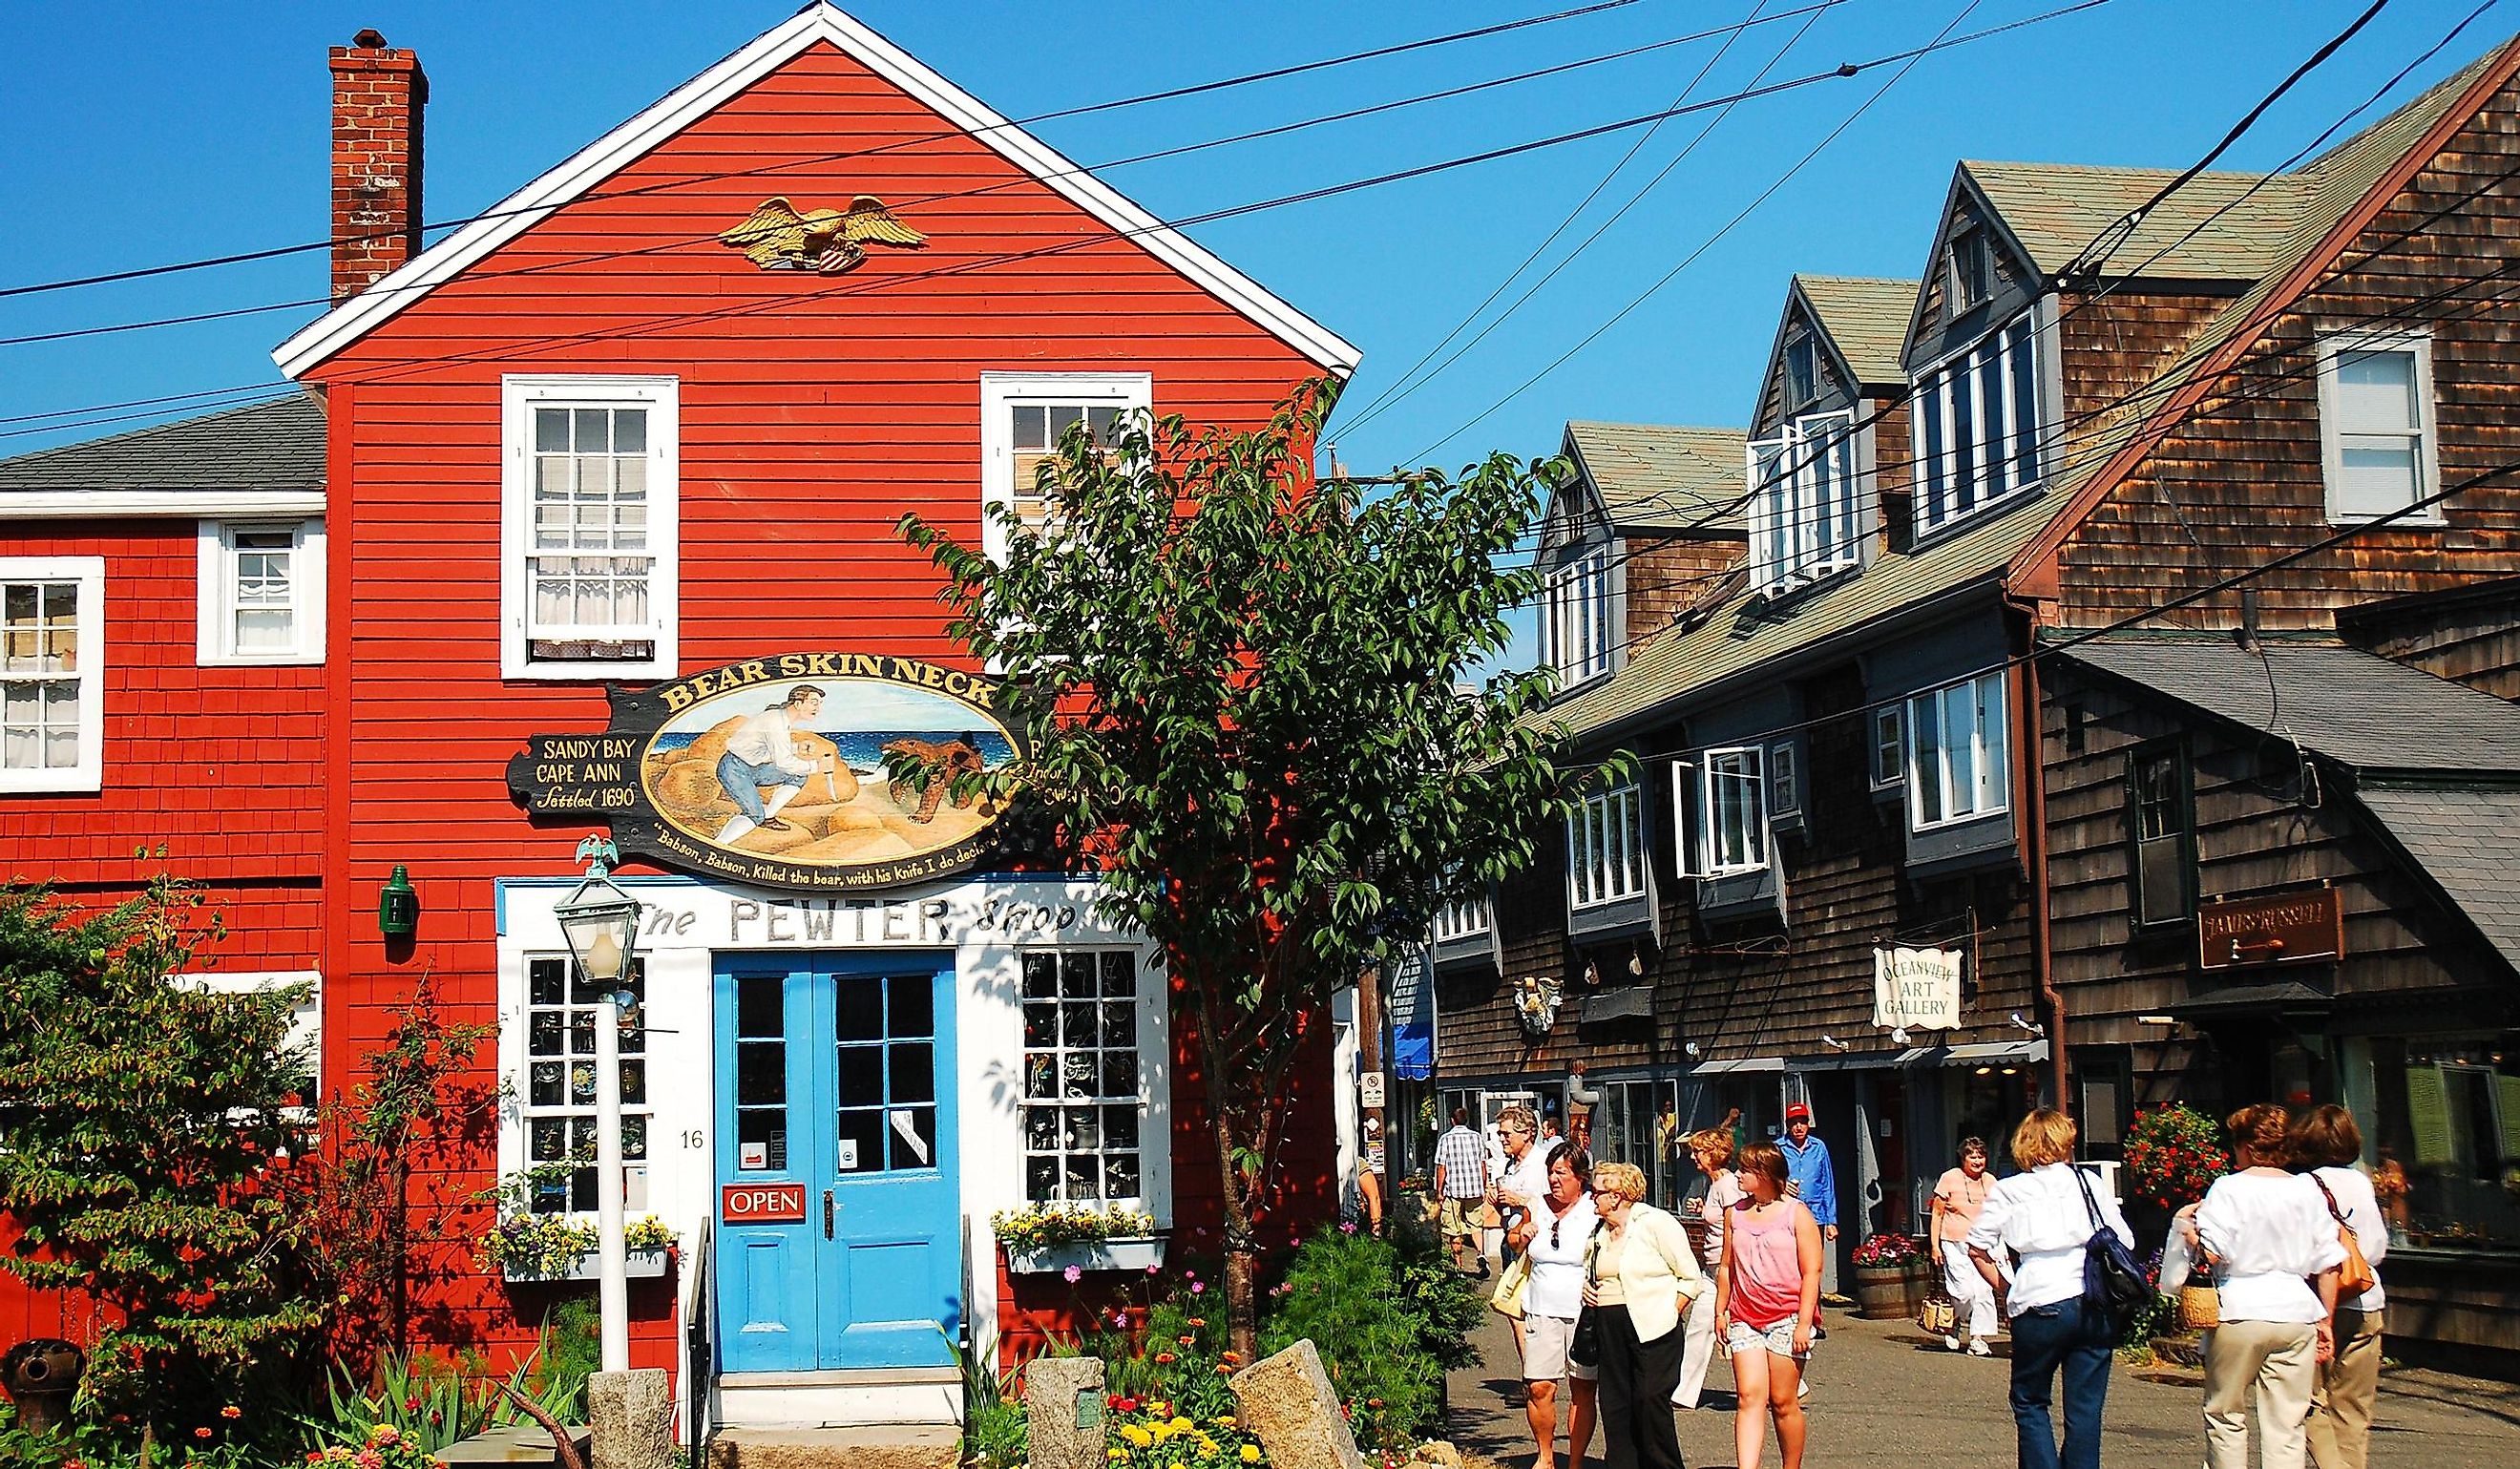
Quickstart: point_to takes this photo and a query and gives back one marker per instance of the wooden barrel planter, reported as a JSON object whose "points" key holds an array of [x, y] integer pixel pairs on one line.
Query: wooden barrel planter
{"points": [[1881, 1292]]}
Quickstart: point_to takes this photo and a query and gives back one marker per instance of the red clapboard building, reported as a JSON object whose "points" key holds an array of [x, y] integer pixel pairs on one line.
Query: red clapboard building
{"points": [[586, 522]]}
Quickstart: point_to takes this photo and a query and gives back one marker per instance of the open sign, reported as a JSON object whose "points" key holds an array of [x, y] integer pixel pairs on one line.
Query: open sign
{"points": [[762, 1203]]}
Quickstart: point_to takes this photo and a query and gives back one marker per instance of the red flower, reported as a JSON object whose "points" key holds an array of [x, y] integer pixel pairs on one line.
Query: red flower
{"points": [[201, 1432]]}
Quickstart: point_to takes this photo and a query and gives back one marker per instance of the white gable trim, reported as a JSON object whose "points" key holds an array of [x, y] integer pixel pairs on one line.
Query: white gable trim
{"points": [[687, 104], [97, 505]]}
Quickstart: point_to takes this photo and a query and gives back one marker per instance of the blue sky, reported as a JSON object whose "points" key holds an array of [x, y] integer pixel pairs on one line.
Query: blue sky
{"points": [[136, 134]]}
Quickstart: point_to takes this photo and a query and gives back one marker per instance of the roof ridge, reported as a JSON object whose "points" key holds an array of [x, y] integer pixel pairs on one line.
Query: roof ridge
{"points": [[2457, 80], [1810, 275], [1668, 427], [2234, 174], [75, 446]]}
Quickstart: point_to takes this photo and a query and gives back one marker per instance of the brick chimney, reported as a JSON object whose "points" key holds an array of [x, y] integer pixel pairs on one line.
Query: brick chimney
{"points": [[378, 94]]}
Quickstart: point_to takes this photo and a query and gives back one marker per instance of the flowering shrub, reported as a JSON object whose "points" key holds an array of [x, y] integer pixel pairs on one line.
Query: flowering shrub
{"points": [[2174, 1153], [549, 1244], [386, 1448], [1045, 1225], [1887, 1248], [1152, 1433], [1387, 1319]]}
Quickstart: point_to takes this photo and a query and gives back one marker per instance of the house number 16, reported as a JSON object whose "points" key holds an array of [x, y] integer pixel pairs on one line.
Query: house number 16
{"points": [[694, 1138]]}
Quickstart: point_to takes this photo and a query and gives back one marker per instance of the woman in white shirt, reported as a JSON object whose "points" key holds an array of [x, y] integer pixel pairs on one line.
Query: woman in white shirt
{"points": [[2040, 1218], [2274, 1251], [1552, 1238], [1712, 1148], [2329, 1145]]}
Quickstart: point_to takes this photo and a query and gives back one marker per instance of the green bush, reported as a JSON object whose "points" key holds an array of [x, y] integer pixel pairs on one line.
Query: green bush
{"points": [[1387, 1320]]}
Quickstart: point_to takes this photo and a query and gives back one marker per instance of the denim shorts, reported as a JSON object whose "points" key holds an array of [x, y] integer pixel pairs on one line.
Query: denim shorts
{"points": [[1778, 1339]]}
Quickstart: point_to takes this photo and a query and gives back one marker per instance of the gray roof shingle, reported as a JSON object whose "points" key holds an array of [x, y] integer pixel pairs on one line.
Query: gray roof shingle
{"points": [[2355, 709], [1654, 476], [1868, 318], [261, 446], [2463, 840]]}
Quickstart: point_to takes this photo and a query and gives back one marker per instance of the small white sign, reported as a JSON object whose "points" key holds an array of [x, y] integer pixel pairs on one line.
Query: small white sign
{"points": [[1374, 1157], [848, 1155], [752, 1156], [1917, 988], [1368, 1089]]}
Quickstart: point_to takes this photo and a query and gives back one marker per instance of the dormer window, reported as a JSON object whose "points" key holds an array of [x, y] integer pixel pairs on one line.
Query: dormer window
{"points": [[1575, 618], [1808, 511], [1971, 276], [1977, 427], [1802, 370]]}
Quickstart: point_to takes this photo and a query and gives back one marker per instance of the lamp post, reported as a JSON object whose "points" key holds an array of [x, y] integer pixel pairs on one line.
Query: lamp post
{"points": [[601, 923]]}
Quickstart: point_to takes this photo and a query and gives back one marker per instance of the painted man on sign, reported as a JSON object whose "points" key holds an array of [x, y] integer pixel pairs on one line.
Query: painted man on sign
{"points": [[763, 752]]}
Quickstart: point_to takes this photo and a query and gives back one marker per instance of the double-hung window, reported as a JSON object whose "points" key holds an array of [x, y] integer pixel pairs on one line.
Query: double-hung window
{"points": [[261, 592], [2375, 427], [1464, 917], [1977, 427], [1807, 518], [52, 673], [1732, 809], [1024, 419], [1605, 850], [1575, 617], [591, 525], [562, 1008], [1889, 747], [1085, 1104], [1956, 764], [2161, 815]]}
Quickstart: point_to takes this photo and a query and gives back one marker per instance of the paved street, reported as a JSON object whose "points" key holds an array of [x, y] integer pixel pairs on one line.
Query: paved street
{"points": [[1881, 1393]]}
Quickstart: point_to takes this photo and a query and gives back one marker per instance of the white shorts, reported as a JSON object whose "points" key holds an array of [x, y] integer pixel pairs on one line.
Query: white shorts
{"points": [[1778, 1340], [1544, 1340]]}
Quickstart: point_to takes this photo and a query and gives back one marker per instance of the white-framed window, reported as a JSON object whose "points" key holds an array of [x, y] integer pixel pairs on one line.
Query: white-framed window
{"points": [[2376, 432], [1732, 810], [1462, 917], [1968, 275], [1576, 618], [305, 1040], [591, 528], [1802, 369], [1085, 1111], [1807, 518], [1784, 780], [52, 673], [1023, 417], [562, 1010], [1889, 747], [1956, 764], [1605, 849], [261, 592], [1977, 426]]}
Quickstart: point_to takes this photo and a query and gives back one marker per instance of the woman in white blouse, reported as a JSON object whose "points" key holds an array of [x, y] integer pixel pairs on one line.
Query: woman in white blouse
{"points": [[2273, 1250], [1555, 1238], [2329, 1145]]}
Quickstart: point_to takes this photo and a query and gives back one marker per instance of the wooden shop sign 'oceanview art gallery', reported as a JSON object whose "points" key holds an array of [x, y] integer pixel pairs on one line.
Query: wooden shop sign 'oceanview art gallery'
{"points": [[773, 772]]}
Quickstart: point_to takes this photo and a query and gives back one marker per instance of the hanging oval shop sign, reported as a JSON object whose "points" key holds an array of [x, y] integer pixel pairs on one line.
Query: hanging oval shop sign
{"points": [[772, 772]]}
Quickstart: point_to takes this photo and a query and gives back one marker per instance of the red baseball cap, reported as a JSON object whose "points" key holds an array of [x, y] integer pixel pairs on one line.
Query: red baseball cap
{"points": [[1797, 1111]]}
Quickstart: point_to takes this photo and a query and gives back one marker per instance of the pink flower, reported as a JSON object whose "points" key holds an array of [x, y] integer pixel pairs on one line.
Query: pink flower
{"points": [[1347, 1226], [1199, 1287], [1073, 1273], [1154, 1269]]}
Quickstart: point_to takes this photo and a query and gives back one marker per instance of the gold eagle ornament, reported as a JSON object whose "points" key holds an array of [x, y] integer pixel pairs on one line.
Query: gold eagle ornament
{"points": [[781, 236]]}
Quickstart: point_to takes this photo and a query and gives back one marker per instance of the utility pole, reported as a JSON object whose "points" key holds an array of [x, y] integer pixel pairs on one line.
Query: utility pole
{"points": [[1372, 1088]]}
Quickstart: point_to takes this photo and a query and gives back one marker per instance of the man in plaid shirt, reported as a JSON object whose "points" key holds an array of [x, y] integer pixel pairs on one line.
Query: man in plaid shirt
{"points": [[1461, 1183]]}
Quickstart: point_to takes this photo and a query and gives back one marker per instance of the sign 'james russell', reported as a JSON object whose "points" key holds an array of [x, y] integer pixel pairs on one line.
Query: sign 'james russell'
{"points": [[771, 771]]}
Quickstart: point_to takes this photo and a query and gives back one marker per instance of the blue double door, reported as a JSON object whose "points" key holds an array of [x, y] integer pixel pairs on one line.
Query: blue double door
{"points": [[837, 1085]]}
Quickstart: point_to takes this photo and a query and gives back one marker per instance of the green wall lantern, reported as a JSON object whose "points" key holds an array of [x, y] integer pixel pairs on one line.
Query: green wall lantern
{"points": [[398, 906]]}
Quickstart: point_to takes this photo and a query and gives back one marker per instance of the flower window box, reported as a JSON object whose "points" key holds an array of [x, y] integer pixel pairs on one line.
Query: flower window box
{"points": [[1139, 1252]]}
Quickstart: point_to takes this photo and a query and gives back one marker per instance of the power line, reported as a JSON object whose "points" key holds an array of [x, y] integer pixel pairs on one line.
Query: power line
{"points": [[1372, 410], [1170, 94]]}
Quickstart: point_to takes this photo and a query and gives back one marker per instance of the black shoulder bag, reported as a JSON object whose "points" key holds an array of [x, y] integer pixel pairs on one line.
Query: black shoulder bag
{"points": [[1585, 1348], [2113, 1283]]}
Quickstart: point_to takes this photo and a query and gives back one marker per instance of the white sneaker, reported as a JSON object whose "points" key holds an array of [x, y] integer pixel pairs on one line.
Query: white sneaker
{"points": [[1977, 1347], [1952, 1342]]}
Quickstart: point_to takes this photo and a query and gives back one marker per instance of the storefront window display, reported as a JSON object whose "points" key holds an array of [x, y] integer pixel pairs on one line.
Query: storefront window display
{"points": [[2442, 1135], [1635, 1123]]}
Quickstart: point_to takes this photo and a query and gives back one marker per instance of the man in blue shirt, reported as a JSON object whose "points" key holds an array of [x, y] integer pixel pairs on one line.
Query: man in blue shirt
{"points": [[1808, 1168]]}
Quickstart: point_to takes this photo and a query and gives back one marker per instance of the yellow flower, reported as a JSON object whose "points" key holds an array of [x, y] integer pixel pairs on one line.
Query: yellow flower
{"points": [[1250, 1454], [1181, 1425], [1137, 1437], [1114, 1454], [1225, 1420]]}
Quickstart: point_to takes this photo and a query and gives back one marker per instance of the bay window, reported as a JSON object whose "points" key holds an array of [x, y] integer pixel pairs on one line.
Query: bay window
{"points": [[1977, 427], [1807, 515], [1605, 850], [1575, 618], [1956, 757]]}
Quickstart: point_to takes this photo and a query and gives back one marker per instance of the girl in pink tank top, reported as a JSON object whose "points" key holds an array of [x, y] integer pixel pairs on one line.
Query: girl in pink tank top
{"points": [[1767, 1303]]}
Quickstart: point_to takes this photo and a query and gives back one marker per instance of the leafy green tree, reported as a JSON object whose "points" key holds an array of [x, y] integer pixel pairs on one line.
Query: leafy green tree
{"points": [[145, 1130], [1242, 697]]}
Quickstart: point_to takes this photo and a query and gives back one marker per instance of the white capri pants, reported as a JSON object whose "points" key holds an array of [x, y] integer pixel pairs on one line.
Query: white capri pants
{"points": [[1976, 1298]]}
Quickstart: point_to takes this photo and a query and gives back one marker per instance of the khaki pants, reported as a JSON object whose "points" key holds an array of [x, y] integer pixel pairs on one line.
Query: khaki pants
{"points": [[2340, 1406], [2280, 1360]]}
